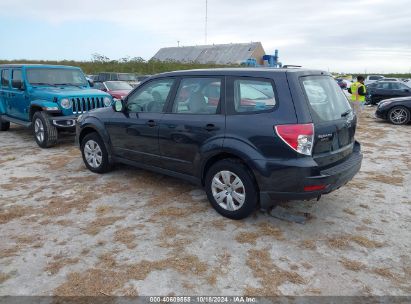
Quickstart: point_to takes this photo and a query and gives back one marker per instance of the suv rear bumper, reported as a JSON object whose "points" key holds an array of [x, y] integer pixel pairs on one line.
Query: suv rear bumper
{"points": [[331, 178]]}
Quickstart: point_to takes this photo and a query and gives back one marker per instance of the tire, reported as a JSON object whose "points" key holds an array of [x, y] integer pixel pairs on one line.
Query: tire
{"points": [[399, 115], [44, 132], [95, 154], [228, 172], [4, 125]]}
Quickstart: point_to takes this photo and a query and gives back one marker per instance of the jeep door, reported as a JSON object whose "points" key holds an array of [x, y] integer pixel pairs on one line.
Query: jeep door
{"points": [[194, 123], [4, 92], [18, 98], [134, 133]]}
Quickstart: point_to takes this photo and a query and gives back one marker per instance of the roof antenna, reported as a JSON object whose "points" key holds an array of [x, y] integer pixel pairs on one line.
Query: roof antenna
{"points": [[206, 20]]}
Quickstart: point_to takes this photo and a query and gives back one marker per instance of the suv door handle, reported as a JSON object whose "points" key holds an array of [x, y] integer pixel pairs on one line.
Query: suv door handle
{"points": [[211, 127], [151, 123]]}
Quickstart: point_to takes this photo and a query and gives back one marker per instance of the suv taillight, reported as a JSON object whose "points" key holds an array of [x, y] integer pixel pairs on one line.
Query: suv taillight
{"points": [[299, 137]]}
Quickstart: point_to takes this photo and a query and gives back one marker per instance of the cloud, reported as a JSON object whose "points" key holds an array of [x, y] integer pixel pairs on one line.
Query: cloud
{"points": [[360, 34]]}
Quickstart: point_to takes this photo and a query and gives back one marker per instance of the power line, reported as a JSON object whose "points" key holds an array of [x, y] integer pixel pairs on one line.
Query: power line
{"points": [[206, 20]]}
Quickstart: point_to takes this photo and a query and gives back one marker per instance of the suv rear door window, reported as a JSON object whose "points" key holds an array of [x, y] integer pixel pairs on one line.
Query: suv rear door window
{"points": [[198, 96], [253, 95], [325, 97]]}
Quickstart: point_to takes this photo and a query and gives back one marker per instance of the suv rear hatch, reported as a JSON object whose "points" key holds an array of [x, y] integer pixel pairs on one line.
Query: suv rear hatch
{"points": [[334, 121]]}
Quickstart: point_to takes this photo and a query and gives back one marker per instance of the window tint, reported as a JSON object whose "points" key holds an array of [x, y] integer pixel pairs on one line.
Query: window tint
{"points": [[326, 99], [151, 97], [17, 79], [5, 78], [198, 96], [253, 95]]}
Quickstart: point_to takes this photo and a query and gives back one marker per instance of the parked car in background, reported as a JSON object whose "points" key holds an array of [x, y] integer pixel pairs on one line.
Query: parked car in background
{"points": [[46, 98], [341, 83], [130, 78], [385, 90], [117, 89], [248, 136], [372, 78], [395, 110], [389, 79]]}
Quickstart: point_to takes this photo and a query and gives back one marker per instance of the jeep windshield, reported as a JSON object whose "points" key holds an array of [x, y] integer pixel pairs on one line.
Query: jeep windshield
{"points": [[56, 77], [326, 99]]}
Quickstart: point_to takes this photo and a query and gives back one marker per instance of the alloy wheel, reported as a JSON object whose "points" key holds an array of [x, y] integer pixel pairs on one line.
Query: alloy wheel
{"points": [[398, 116], [39, 130], [93, 153], [228, 190]]}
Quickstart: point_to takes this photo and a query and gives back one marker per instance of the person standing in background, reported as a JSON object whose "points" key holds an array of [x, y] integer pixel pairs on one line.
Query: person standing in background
{"points": [[358, 91]]}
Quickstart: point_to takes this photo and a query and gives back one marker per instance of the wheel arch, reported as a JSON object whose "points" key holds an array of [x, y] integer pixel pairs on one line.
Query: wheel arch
{"points": [[96, 127]]}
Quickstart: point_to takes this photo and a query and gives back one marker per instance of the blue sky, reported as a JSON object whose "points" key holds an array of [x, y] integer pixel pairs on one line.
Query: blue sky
{"points": [[350, 35]]}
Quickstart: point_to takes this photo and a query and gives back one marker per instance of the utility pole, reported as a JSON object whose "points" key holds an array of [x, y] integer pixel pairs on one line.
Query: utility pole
{"points": [[206, 20], [178, 43]]}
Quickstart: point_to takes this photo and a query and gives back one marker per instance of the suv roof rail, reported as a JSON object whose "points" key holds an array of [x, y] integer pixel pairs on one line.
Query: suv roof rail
{"points": [[292, 66]]}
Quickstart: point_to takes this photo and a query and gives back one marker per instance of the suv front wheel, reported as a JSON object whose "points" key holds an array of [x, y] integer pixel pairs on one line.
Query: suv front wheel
{"points": [[94, 153], [231, 189], [44, 132]]}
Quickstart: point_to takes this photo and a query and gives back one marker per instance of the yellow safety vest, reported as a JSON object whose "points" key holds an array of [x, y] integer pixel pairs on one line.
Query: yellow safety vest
{"points": [[354, 92]]}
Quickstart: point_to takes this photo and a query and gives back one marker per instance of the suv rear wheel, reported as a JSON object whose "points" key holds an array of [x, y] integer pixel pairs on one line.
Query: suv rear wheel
{"points": [[94, 153], [4, 125], [231, 189], [44, 132]]}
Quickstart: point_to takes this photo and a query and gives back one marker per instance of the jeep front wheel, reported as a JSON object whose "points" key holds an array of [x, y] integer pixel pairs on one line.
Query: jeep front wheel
{"points": [[44, 132]]}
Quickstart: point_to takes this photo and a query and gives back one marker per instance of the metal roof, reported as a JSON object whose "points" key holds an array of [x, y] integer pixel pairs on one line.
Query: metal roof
{"points": [[234, 53]]}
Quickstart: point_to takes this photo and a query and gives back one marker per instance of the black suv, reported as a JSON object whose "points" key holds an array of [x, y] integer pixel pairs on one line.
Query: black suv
{"points": [[248, 136]]}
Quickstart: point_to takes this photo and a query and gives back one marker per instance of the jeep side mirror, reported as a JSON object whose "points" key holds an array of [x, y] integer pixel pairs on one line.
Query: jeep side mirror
{"points": [[119, 105], [90, 82]]}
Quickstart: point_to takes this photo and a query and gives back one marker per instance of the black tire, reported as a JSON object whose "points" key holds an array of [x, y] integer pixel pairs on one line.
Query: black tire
{"points": [[405, 118], [88, 141], [249, 187], [50, 134], [4, 125]]}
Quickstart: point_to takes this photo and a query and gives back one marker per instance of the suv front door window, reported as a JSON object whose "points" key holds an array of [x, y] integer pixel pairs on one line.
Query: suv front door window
{"points": [[134, 133]]}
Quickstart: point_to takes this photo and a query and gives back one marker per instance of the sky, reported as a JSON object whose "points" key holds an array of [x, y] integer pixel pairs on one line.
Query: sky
{"points": [[364, 36]]}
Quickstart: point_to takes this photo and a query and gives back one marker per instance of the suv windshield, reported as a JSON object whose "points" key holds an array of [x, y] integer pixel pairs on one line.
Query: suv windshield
{"points": [[41, 76], [118, 85], [326, 99], [127, 77]]}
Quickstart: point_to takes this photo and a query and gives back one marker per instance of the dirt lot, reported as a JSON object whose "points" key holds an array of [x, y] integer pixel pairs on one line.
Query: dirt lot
{"points": [[67, 231]]}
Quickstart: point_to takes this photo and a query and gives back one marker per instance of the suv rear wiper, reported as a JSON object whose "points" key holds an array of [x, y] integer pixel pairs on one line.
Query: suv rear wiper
{"points": [[346, 113]]}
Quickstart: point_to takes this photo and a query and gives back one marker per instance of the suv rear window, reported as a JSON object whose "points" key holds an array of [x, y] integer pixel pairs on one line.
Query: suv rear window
{"points": [[326, 99]]}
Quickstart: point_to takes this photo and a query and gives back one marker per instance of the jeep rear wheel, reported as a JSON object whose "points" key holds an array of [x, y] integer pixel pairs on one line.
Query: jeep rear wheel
{"points": [[44, 132], [231, 189], [4, 125], [94, 153]]}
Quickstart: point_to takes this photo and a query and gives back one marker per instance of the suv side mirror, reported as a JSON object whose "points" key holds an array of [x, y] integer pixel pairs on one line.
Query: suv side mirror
{"points": [[119, 105], [18, 84]]}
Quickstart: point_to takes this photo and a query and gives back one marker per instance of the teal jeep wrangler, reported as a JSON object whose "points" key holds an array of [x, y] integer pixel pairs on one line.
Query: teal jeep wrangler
{"points": [[46, 98]]}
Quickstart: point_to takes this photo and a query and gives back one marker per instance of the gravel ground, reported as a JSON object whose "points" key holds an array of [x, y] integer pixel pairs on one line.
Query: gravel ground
{"points": [[67, 231]]}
